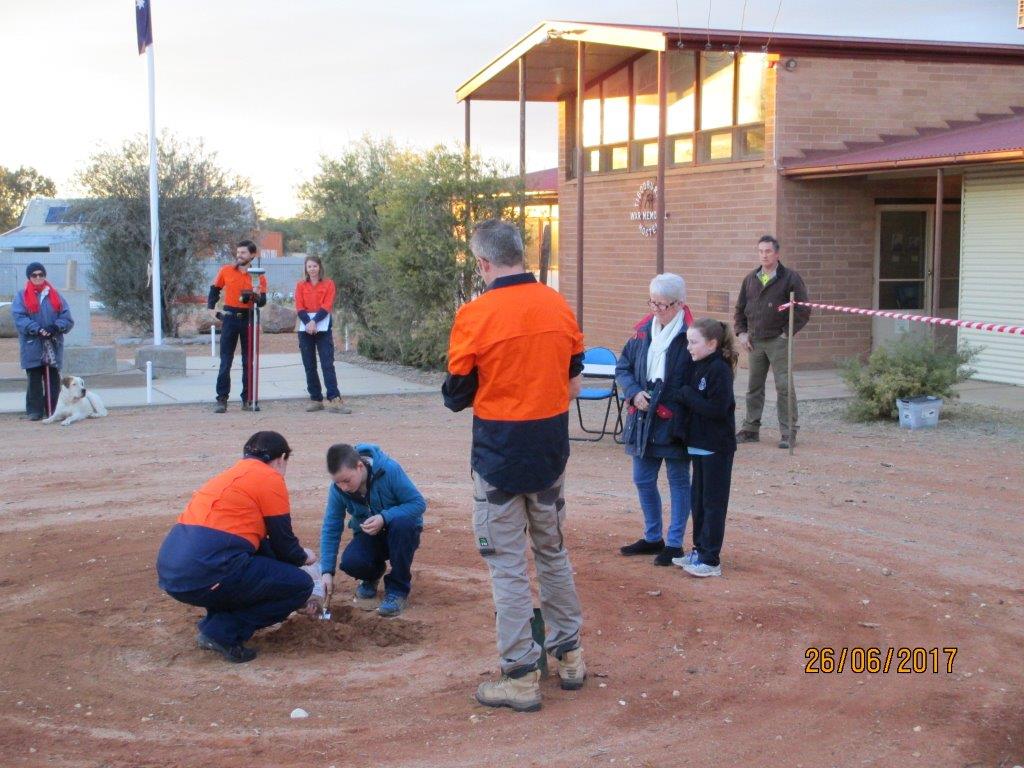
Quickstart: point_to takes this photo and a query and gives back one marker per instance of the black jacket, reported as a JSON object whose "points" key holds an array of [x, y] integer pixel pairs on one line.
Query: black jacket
{"points": [[757, 306], [711, 405]]}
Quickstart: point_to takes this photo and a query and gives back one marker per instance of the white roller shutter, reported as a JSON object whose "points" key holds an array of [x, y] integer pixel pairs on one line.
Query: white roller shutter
{"points": [[992, 270]]}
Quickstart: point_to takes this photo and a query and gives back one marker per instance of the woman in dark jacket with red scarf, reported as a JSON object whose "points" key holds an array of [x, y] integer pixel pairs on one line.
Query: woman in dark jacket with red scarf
{"points": [[42, 317], [650, 373]]}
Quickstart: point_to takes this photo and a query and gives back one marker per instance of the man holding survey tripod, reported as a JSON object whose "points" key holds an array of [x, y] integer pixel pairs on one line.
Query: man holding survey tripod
{"points": [[237, 322]]}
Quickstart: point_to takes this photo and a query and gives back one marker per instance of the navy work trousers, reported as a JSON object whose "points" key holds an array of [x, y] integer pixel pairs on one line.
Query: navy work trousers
{"points": [[709, 501], [263, 592], [322, 344], [366, 556], [233, 329]]}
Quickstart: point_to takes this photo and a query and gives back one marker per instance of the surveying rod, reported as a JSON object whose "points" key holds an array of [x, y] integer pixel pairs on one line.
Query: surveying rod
{"points": [[254, 338]]}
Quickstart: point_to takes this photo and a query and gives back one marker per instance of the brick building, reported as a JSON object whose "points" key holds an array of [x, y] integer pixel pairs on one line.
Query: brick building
{"points": [[746, 135]]}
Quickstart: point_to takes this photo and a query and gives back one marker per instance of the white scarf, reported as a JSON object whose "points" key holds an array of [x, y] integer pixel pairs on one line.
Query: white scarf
{"points": [[661, 337]]}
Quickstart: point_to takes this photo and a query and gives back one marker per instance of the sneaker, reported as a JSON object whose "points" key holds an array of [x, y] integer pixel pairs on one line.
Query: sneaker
{"points": [[315, 405], [33, 417], [690, 559], [392, 605], [785, 442], [642, 547], [221, 406], [572, 672], [367, 590], [236, 654], [667, 555], [702, 569], [335, 405], [249, 406], [521, 693], [746, 436]]}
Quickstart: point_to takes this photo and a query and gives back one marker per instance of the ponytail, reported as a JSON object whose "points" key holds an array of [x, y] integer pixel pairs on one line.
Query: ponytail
{"points": [[716, 330]]}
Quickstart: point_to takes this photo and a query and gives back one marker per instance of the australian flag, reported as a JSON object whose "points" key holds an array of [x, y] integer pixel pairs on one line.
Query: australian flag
{"points": [[143, 24]]}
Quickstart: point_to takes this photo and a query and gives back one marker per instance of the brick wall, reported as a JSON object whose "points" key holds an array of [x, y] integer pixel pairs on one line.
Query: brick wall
{"points": [[826, 101], [827, 227]]}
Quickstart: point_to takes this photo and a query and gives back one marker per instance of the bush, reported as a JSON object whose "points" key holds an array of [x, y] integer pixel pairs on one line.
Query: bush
{"points": [[907, 367], [390, 225]]}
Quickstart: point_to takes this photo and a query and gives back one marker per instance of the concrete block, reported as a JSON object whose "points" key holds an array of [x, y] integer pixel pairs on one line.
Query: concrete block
{"points": [[7, 327], [88, 361], [167, 361], [81, 334]]}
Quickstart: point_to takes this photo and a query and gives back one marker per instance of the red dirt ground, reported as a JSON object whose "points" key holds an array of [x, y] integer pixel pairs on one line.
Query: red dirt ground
{"points": [[869, 536]]}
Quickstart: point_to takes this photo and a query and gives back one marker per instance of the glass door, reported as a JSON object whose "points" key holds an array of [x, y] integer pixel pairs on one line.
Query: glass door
{"points": [[903, 257]]}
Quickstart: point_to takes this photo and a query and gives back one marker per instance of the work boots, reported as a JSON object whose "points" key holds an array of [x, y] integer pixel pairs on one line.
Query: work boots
{"points": [[521, 693], [571, 670]]}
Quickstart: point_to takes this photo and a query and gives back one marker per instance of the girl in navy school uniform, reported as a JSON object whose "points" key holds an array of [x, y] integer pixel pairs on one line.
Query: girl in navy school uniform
{"points": [[711, 440]]}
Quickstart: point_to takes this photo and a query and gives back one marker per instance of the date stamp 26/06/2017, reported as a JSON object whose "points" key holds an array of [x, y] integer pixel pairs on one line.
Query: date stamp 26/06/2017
{"points": [[872, 660]]}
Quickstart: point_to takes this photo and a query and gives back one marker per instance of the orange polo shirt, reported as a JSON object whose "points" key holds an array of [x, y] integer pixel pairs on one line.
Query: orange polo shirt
{"points": [[232, 283], [238, 500], [312, 298]]}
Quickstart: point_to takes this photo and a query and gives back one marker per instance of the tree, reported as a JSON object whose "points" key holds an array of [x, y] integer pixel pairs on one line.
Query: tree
{"points": [[392, 226], [298, 233], [203, 210], [17, 187]]}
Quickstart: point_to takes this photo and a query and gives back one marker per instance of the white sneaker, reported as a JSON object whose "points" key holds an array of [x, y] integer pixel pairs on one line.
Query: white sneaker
{"points": [[702, 569], [687, 559]]}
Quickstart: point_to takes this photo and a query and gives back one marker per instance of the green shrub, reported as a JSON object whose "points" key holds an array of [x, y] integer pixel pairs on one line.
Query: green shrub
{"points": [[907, 367]]}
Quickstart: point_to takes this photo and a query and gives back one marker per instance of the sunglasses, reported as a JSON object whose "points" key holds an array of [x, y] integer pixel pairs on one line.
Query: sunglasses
{"points": [[38, 274]]}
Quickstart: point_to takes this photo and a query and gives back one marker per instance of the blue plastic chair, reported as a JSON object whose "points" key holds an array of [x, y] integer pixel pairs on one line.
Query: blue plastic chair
{"points": [[610, 392]]}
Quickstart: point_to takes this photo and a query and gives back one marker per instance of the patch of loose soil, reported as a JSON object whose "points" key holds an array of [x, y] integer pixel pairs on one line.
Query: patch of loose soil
{"points": [[870, 536]]}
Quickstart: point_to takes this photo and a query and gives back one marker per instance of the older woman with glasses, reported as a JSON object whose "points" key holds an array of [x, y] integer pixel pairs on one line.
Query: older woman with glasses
{"points": [[42, 317], [650, 373]]}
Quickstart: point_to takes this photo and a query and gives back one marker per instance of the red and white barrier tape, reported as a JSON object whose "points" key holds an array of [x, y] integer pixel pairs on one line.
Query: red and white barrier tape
{"points": [[1013, 330]]}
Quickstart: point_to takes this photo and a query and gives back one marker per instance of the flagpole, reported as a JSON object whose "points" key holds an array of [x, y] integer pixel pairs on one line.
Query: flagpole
{"points": [[154, 213]]}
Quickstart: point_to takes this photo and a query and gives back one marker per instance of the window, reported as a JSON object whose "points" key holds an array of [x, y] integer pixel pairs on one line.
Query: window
{"points": [[55, 214], [715, 112], [717, 71]]}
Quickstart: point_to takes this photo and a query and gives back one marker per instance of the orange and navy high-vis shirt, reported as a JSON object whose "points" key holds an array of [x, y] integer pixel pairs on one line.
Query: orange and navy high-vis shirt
{"points": [[314, 302], [233, 282], [511, 354], [243, 509]]}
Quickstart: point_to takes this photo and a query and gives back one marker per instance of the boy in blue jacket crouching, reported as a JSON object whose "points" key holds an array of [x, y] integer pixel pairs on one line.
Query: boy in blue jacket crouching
{"points": [[386, 516]]}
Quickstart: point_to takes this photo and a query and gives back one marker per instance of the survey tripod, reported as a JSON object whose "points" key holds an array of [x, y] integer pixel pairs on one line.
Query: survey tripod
{"points": [[253, 339]]}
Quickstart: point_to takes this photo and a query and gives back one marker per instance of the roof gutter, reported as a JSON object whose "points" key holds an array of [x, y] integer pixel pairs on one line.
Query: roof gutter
{"points": [[859, 169]]}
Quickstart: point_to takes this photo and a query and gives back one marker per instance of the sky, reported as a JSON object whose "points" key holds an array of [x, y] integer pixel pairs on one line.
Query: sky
{"points": [[271, 86]]}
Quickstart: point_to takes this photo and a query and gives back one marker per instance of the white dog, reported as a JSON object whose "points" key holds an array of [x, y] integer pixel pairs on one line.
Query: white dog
{"points": [[75, 403]]}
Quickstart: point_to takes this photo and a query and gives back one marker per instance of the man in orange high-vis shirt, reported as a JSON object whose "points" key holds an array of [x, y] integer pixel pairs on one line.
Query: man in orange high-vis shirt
{"points": [[515, 356], [236, 319], [233, 552]]}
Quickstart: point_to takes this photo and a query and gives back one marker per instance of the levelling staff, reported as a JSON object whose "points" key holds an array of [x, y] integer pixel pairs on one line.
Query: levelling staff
{"points": [[233, 551], [236, 320]]}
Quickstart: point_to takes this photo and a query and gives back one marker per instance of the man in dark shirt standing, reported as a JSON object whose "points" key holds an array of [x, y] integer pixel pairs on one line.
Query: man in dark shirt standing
{"points": [[761, 330], [515, 356]]}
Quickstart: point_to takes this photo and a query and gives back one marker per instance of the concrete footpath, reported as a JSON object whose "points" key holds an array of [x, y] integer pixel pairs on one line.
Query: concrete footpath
{"points": [[829, 385], [282, 377]]}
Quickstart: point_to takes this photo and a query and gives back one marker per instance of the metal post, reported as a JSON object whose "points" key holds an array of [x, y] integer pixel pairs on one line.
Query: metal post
{"points": [[154, 212], [522, 144], [937, 244], [662, 151], [789, 352], [149, 382], [466, 129], [213, 341], [580, 173]]}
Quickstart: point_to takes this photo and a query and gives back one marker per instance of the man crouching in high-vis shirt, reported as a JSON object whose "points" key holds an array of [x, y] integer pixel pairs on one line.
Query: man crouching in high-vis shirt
{"points": [[233, 551], [515, 356]]}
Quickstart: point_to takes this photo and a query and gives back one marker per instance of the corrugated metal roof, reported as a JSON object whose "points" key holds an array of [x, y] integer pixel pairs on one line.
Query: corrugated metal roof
{"points": [[39, 236], [992, 138]]}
